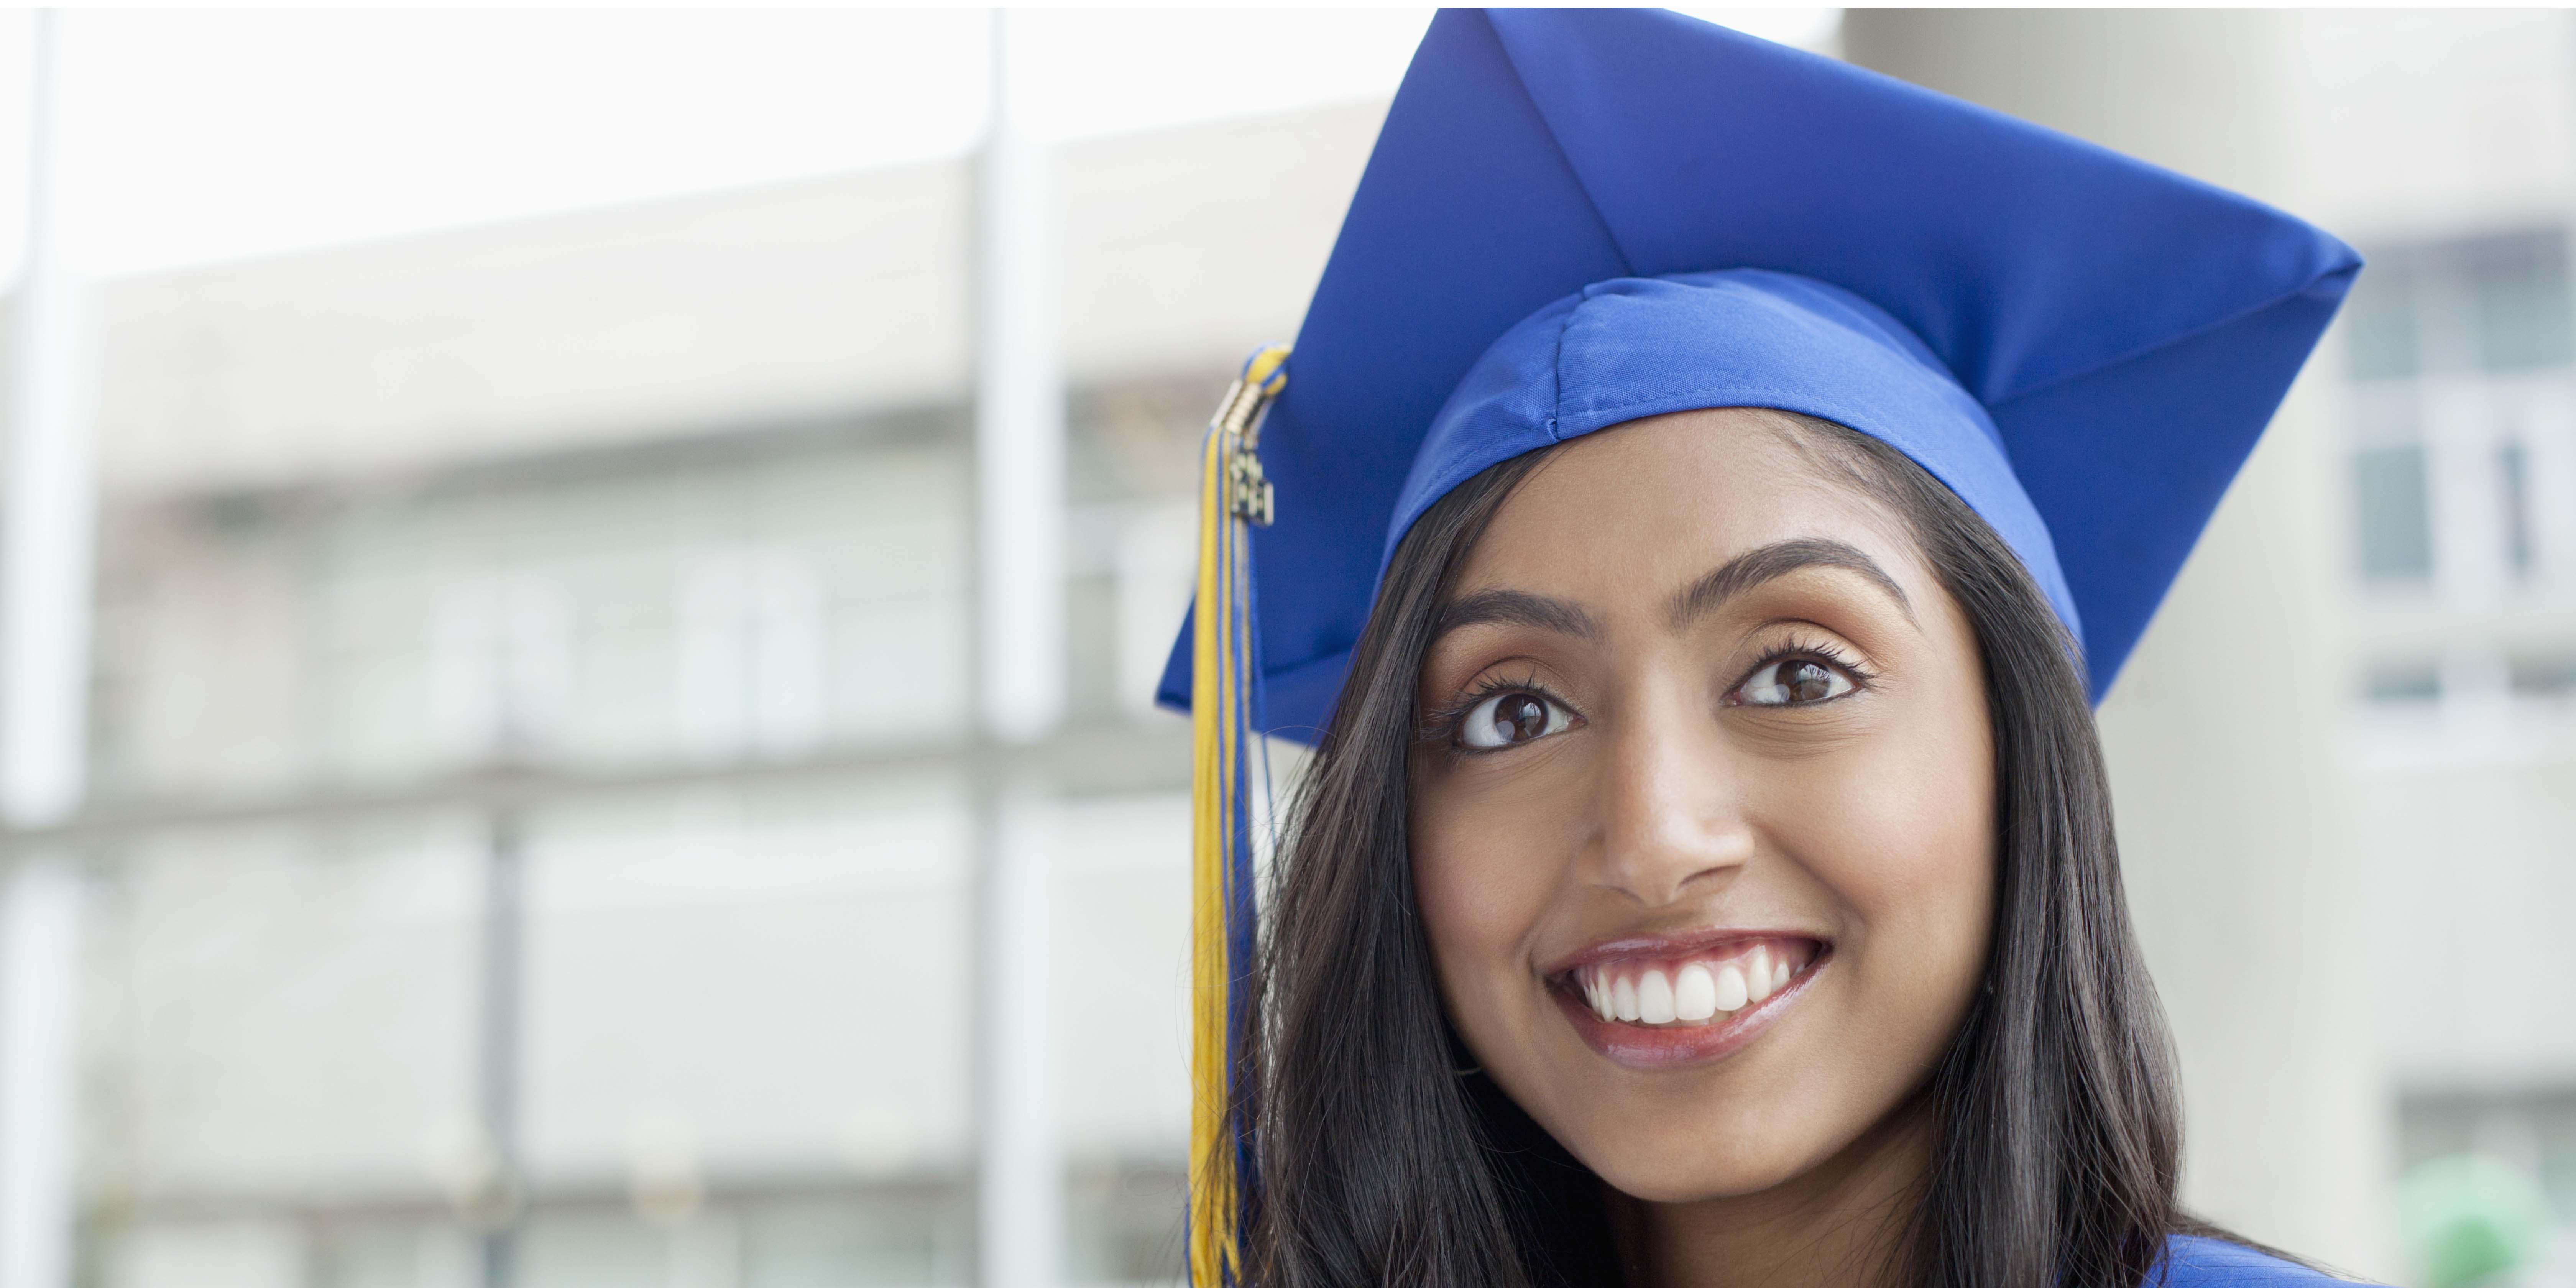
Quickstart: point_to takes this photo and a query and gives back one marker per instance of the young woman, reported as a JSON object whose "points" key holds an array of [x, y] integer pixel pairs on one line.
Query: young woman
{"points": [[1712, 483]]}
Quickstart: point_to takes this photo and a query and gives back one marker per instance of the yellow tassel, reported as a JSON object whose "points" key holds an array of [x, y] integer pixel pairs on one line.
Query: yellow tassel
{"points": [[1233, 495], [1212, 1180]]}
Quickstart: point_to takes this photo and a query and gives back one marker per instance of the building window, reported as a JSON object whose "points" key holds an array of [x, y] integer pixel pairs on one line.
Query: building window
{"points": [[2542, 675], [2513, 489], [2518, 288], [750, 654], [2401, 682], [500, 665], [2479, 1164], [2392, 506], [2379, 331], [2461, 356]]}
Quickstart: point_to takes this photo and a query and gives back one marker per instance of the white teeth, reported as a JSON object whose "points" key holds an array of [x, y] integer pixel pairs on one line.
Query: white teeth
{"points": [[1730, 988], [1700, 992], [1655, 998], [1695, 997]]}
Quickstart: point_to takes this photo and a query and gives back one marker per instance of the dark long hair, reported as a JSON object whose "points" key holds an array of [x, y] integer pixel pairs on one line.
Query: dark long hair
{"points": [[1385, 1161]]}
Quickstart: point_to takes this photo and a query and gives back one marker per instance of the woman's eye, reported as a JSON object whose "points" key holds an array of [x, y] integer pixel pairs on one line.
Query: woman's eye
{"points": [[1506, 719], [1792, 681]]}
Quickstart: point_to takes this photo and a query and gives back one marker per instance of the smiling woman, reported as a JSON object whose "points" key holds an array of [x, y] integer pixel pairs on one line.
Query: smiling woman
{"points": [[1706, 872], [1706, 697], [1774, 767]]}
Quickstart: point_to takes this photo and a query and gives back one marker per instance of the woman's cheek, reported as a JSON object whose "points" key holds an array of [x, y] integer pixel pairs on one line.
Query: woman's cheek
{"points": [[1468, 879], [1909, 849], [1902, 819], [1483, 874]]}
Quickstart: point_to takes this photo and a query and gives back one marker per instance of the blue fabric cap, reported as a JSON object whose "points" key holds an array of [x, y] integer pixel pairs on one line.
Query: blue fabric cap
{"points": [[1634, 347], [2083, 346]]}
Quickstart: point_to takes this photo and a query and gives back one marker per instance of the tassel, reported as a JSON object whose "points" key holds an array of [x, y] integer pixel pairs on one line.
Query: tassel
{"points": [[1225, 685]]}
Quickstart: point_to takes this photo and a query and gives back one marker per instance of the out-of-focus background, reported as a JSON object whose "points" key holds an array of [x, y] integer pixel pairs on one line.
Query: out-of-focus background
{"points": [[504, 484]]}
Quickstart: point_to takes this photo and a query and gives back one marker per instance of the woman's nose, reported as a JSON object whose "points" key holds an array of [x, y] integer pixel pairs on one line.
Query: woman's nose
{"points": [[1671, 814]]}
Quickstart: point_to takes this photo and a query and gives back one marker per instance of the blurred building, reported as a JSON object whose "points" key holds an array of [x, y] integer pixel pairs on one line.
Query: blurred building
{"points": [[643, 531], [652, 520], [2446, 144]]}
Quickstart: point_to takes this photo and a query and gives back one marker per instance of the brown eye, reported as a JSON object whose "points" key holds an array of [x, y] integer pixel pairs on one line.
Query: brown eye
{"points": [[1792, 681], [1507, 719]]}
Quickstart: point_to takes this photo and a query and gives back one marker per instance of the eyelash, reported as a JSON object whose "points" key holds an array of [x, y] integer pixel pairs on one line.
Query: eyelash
{"points": [[1442, 725], [1793, 647]]}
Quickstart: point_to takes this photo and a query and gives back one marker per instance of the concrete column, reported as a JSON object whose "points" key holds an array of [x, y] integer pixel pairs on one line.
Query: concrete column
{"points": [[503, 992], [2221, 733], [1019, 690], [47, 530]]}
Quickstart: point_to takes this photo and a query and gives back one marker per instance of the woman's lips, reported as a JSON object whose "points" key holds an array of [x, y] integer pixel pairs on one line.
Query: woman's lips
{"points": [[1655, 1004]]}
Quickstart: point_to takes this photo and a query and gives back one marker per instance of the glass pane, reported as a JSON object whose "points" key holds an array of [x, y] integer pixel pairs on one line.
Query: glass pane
{"points": [[2513, 486], [2379, 330], [590, 1250], [2390, 503], [2542, 675], [854, 1244], [2518, 289], [372, 1254], [2411, 681], [1126, 1228]]}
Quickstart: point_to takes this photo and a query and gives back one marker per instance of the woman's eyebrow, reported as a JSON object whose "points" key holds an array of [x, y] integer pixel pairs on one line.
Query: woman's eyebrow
{"points": [[1518, 608], [1776, 560]]}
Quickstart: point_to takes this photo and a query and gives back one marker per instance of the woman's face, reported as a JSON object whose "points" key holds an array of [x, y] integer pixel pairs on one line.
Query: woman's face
{"points": [[1702, 814]]}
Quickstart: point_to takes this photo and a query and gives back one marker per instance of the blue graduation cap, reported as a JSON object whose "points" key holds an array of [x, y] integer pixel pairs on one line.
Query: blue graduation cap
{"points": [[1574, 219]]}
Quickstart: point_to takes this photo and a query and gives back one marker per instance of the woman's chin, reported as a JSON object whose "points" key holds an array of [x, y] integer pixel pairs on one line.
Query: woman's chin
{"points": [[1678, 1169]]}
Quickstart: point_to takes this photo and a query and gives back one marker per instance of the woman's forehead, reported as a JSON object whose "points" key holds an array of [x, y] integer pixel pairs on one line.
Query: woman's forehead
{"points": [[1642, 508]]}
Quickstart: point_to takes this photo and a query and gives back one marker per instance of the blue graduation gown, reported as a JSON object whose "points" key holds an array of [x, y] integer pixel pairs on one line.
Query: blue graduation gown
{"points": [[2194, 1262]]}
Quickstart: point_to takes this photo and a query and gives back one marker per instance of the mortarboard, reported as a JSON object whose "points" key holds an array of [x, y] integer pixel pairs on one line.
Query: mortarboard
{"points": [[1574, 219]]}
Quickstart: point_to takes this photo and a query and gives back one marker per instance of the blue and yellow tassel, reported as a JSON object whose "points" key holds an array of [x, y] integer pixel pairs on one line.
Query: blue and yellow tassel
{"points": [[1225, 688]]}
